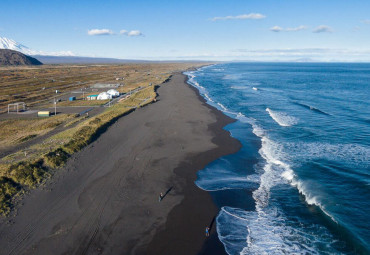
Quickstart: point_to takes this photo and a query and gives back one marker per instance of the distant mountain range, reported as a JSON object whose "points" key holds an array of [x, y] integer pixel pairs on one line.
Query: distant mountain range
{"points": [[67, 57], [10, 44], [15, 58], [84, 60], [64, 57]]}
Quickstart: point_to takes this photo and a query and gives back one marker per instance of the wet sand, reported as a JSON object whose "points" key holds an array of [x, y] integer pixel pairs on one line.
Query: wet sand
{"points": [[105, 200]]}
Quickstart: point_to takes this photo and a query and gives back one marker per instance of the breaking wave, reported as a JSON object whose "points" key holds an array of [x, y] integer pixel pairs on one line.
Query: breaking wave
{"points": [[265, 230], [282, 118]]}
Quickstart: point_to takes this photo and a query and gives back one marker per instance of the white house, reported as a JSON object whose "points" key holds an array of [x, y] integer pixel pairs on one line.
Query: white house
{"points": [[113, 92], [104, 96]]}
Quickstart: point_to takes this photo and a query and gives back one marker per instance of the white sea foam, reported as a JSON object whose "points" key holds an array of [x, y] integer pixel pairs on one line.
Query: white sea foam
{"points": [[311, 199], [224, 182], [263, 231], [208, 98], [192, 81], [222, 107], [348, 153], [282, 118], [240, 87], [276, 172], [266, 232]]}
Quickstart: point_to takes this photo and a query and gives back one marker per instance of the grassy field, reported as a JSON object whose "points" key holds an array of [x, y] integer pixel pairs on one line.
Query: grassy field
{"points": [[81, 102], [35, 85], [16, 131], [28, 167]]}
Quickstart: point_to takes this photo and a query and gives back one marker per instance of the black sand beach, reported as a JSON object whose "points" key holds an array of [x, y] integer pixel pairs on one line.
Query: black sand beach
{"points": [[105, 200]]}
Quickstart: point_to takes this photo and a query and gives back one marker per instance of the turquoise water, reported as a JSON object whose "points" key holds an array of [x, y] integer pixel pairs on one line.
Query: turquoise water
{"points": [[301, 182]]}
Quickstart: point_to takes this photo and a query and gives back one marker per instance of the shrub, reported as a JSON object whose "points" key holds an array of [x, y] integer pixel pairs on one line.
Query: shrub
{"points": [[95, 121], [56, 158], [7, 189], [28, 174]]}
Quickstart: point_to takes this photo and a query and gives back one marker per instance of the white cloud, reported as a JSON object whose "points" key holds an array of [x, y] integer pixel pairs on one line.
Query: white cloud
{"points": [[131, 33], [293, 29], [242, 16], [289, 29], [56, 53], [100, 32], [134, 33], [322, 29], [276, 29], [366, 21]]}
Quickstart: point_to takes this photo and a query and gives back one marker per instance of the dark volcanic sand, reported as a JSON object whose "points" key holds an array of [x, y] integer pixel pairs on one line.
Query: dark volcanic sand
{"points": [[105, 200]]}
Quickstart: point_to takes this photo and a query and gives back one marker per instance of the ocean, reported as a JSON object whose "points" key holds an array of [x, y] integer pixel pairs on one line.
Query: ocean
{"points": [[301, 182]]}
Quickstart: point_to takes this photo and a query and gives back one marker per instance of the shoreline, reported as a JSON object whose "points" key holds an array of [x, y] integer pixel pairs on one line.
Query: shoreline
{"points": [[203, 209], [105, 200]]}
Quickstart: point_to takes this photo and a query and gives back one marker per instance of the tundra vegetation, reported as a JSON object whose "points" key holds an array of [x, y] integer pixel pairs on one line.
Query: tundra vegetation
{"points": [[29, 167]]}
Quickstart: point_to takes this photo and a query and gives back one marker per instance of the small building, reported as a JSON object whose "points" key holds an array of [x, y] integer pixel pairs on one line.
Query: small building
{"points": [[43, 114], [113, 92], [72, 98], [92, 97], [104, 96]]}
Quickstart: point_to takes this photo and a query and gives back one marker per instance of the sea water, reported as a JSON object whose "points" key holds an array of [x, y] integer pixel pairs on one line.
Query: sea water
{"points": [[301, 182]]}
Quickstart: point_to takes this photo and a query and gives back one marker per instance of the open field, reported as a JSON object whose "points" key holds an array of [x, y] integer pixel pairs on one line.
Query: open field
{"points": [[27, 167], [81, 102], [35, 85], [15, 131]]}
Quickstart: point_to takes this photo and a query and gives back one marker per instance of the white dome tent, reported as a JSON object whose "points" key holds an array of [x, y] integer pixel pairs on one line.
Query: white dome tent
{"points": [[113, 92], [104, 96]]}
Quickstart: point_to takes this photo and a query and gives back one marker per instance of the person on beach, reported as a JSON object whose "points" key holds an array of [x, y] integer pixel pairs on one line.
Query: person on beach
{"points": [[160, 197], [207, 231]]}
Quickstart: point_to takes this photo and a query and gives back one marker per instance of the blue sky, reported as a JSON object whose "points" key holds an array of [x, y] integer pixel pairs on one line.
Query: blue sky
{"points": [[327, 30]]}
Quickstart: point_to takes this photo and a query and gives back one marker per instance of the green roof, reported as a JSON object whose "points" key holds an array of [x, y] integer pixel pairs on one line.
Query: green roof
{"points": [[92, 95]]}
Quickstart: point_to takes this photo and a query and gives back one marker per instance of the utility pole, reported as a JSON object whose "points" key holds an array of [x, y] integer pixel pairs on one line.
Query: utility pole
{"points": [[55, 107]]}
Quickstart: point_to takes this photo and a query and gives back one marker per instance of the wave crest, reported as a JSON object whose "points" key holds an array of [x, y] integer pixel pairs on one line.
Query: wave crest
{"points": [[282, 118]]}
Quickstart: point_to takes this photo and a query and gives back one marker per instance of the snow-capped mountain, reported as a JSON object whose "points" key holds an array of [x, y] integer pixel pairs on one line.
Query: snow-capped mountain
{"points": [[10, 44]]}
